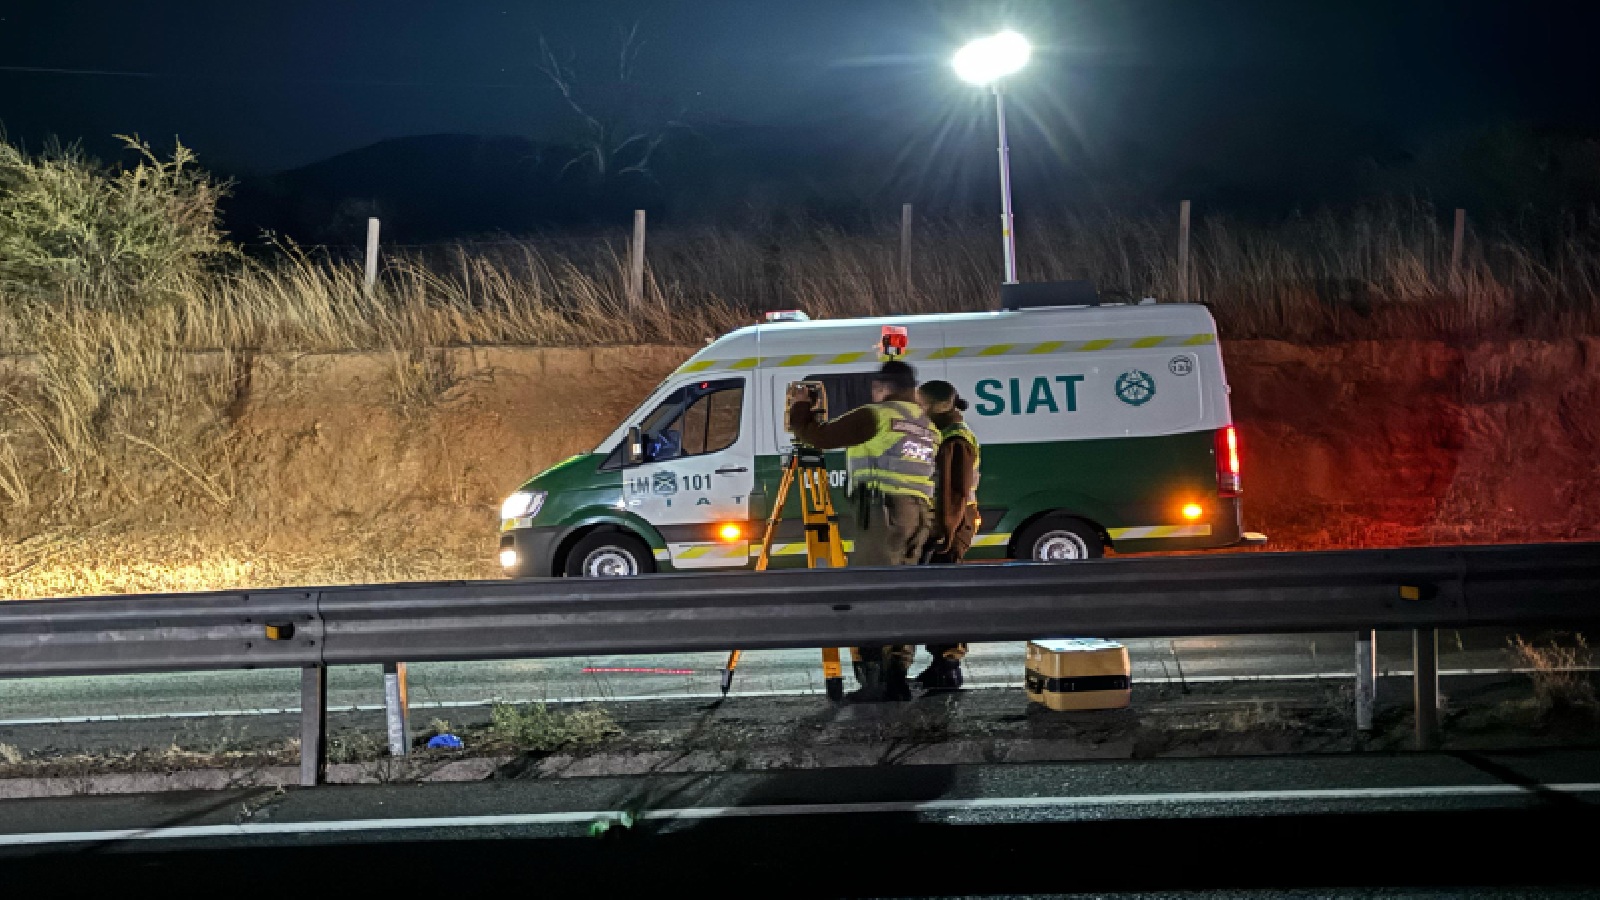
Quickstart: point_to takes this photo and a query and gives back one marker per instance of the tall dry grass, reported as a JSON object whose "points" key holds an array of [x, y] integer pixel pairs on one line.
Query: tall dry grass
{"points": [[1378, 273]]}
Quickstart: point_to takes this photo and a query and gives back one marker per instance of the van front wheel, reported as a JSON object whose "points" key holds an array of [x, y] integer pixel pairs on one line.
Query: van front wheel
{"points": [[609, 554], [1059, 539]]}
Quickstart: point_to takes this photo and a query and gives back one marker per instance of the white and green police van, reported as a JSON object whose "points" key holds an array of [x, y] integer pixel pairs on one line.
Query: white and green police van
{"points": [[1101, 426]]}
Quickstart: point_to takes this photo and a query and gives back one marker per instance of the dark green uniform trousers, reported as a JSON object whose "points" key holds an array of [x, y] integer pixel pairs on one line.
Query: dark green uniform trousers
{"points": [[890, 531], [960, 543]]}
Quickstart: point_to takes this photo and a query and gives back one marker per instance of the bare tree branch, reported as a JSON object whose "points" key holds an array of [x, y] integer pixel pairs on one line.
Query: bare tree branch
{"points": [[620, 124], [629, 52]]}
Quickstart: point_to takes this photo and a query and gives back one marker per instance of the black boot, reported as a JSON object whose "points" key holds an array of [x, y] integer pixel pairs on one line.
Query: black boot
{"points": [[870, 676], [943, 675], [895, 685]]}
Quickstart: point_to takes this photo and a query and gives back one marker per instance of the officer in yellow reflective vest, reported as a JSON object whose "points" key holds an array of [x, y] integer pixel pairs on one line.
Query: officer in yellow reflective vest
{"points": [[891, 446], [955, 511]]}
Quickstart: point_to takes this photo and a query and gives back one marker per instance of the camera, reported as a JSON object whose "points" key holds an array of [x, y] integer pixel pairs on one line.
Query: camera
{"points": [[815, 392]]}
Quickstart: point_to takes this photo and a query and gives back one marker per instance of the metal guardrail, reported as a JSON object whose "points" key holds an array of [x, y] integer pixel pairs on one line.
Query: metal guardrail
{"points": [[1251, 593]]}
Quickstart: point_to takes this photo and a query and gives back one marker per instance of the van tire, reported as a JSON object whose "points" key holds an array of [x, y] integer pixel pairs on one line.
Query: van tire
{"points": [[608, 554], [1058, 539]]}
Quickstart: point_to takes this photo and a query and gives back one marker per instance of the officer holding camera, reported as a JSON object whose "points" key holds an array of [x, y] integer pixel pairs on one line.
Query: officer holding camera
{"points": [[891, 445]]}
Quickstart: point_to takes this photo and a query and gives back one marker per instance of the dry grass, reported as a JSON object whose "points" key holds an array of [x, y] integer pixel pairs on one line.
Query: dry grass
{"points": [[85, 765], [83, 562], [1561, 680], [1374, 274]]}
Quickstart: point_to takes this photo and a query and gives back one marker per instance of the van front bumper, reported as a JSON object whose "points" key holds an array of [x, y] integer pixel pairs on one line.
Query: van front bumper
{"points": [[534, 548]]}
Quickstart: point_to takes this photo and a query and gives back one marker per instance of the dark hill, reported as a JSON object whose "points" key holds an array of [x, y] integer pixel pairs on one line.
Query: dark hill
{"points": [[432, 187]]}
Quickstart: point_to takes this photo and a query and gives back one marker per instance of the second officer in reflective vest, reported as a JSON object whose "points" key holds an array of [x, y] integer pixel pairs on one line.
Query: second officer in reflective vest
{"points": [[955, 511], [890, 452]]}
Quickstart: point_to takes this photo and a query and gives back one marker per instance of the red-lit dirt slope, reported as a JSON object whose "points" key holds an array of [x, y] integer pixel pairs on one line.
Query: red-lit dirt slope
{"points": [[1384, 443]]}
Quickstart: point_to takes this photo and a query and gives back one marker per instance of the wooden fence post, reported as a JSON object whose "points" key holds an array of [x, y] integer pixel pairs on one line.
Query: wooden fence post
{"points": [[1183, 250], [905, 251], [372, 254], [636, 260], [1455, 249]]}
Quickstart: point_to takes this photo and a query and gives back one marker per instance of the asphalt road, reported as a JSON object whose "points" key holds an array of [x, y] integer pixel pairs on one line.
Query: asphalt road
{"points": [[446, 685], [1327, 826]]}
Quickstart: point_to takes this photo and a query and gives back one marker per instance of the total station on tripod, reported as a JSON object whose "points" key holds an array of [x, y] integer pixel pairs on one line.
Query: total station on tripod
{"points": [[815, 393], [806, 472]]}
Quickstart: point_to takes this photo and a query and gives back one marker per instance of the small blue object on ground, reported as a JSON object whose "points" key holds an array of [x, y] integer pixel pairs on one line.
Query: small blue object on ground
{"points": [[444, 742]]}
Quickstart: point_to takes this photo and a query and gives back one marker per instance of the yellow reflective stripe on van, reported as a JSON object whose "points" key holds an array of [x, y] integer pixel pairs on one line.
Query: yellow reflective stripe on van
{"points": [[797, 549], [1144, 532], [708, 551], [991, 351], [992, 540]]}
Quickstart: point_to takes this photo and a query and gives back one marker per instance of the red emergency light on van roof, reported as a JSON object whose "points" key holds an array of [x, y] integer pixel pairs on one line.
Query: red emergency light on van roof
{"points": [[894, 342], [787, 315]]}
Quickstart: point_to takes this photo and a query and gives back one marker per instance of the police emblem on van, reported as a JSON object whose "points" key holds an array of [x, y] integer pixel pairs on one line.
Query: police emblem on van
{"points": [[1135, 388], [664, 483]]}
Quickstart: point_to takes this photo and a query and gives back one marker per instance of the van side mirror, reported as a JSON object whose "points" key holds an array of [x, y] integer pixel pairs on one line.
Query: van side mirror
{"points": [[633, 447]]}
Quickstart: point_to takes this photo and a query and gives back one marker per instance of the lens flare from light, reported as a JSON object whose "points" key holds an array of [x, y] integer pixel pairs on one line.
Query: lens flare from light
{"points": [[730, 532], [989, 59], [508, 558], [1193, 511]]}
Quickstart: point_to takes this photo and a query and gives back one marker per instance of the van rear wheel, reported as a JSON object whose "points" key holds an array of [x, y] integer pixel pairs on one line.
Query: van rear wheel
{"points": [[1059, 539], [609, 554]]}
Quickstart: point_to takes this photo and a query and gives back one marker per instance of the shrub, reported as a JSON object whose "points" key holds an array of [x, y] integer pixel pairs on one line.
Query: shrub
{"points": [[537, 727], [113, 235]]}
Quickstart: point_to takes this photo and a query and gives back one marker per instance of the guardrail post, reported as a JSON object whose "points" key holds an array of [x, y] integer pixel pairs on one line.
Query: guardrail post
{"points": [[313, 726], [1425, 685], [1366, 677], [397, 708]]}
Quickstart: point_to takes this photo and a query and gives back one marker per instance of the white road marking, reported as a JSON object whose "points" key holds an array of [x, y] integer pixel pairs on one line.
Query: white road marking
{"points": [[257, 829], [712, 695]]}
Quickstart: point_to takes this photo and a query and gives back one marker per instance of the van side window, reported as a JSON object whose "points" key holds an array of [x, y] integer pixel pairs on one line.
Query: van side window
{"points": [[698, 418], [846, 391], [711, 423]]}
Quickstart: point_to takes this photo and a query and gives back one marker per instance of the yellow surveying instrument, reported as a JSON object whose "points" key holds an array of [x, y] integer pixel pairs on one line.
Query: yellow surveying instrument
{"points": [[824, 546]]}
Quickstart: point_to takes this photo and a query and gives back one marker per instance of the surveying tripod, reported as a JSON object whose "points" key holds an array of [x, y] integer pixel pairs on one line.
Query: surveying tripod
{"points": [[824, 546]]}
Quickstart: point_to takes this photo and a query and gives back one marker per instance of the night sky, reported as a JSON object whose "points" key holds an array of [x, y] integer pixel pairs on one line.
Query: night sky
{"points": [[1249, 96]]}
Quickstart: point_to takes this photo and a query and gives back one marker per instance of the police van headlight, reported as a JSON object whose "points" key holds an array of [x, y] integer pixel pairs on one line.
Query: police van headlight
{"points": [[522, 505]]}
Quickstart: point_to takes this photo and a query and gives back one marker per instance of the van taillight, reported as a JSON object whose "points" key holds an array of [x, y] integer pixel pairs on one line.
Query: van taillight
{"points": [[1227, 462]]}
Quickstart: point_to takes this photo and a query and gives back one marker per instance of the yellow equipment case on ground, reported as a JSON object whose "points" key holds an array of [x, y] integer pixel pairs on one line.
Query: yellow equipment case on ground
{"points": [[1078, 674]]}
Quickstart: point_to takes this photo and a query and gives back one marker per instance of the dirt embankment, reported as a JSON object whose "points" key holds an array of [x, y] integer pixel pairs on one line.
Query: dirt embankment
{"points": [[390, 466], [1377, 443]]}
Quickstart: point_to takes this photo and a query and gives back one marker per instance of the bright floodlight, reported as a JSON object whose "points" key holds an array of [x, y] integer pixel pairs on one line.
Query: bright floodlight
{"points": [[986, 60]]}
